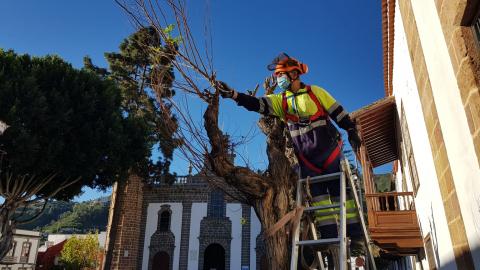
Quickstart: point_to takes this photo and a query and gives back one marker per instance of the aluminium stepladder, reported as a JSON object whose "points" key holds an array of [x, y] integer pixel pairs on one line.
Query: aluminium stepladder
{"points": [[336, 208]]}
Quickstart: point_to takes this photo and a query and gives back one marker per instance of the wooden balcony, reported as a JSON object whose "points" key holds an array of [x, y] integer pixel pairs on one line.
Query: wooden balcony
{"points": [[393, 224], [392, 218]]}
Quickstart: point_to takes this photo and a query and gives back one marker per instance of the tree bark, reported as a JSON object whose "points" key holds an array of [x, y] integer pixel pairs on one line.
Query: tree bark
{"points": [[270, 194], [7, 226], [10, 218]]}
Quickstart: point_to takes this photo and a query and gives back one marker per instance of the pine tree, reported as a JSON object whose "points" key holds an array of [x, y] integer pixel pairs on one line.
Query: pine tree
{"points": [[66, 130], [132, 68]]}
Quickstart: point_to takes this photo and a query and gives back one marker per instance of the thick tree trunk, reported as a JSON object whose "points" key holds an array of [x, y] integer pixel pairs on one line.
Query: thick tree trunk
{"points": [[271, 193], [10, 218], [7, 226], [270, 209]]}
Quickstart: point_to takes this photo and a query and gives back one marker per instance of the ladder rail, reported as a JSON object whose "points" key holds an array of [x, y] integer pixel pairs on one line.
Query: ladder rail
{"points": [[296, 233], [342, 232], [359, 205], [314, 235], [321, 178], [341, 241]]}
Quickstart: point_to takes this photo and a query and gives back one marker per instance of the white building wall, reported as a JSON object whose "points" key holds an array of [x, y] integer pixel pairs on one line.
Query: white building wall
{"points": [[199, 211], [151, 227], [234, 212], [453, 121], [255, 229], [429, 204], [21, 236]]}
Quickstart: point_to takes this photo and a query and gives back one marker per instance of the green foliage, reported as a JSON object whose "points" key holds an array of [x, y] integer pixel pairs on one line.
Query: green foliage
{"points": [[79, 253], [141, 63], [384, 182], [84, 217], [69, 217], [52, 212], [170, 39], [68, 122]]}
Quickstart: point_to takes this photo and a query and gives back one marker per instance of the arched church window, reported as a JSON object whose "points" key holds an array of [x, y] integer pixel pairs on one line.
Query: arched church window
{"points": [[164, 220], [217, 204]]}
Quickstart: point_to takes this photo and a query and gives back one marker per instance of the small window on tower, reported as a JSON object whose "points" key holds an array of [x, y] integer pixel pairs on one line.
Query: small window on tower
{"points": [[164, 224], [217, 204]]}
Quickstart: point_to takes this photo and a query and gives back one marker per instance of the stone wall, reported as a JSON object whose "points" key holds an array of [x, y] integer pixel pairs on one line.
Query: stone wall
{"points": [[463, 257], [456, 17], [246, 229], [215, 230], [124, 235]]}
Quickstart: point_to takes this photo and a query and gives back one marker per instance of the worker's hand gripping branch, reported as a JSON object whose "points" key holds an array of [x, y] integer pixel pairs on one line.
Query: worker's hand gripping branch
{"points": [[225, 90]]}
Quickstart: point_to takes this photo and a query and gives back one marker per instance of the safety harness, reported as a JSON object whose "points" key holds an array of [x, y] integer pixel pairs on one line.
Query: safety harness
{"points": [[319, 115], [294, 118]]}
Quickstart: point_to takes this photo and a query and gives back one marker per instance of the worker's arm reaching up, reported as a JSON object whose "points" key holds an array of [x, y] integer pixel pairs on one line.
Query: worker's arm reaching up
{"points": [[272, 105], [251, 103]]}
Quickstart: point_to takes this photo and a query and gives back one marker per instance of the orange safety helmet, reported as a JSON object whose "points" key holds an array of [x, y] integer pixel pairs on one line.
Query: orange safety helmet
{"points": [[285, 63]]}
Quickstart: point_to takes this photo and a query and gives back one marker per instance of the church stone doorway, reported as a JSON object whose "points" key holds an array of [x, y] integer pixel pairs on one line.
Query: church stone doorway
{"points": [[161, 261], [214, 257]]}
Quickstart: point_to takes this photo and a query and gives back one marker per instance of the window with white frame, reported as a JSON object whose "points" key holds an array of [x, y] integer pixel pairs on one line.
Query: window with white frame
{"points": [[430, 253], [11, 252], [26, 246], [410, 158]]}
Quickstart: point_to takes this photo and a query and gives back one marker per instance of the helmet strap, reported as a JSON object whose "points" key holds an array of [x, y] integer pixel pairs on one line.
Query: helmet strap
{"points": [[293, 80]]}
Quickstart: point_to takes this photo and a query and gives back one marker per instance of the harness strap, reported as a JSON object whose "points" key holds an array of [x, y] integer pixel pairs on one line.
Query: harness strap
{"points": [[320, 111], [331, 158], [294, 118]]}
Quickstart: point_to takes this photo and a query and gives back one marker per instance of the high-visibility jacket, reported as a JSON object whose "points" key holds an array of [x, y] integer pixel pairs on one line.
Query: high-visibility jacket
{"points": [[308, 114]]}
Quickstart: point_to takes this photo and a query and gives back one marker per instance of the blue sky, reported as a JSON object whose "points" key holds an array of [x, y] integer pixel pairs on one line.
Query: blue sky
{"points": [[339, 40]]}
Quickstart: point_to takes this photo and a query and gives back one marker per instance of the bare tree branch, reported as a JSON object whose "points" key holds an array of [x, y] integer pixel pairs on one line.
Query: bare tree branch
{"points": [[270, 193], [34, 217]]}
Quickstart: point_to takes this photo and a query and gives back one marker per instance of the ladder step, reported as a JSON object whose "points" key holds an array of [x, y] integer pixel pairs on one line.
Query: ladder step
{"points": [[322, 178], [333, 212], [322, 207], [319, 242]]}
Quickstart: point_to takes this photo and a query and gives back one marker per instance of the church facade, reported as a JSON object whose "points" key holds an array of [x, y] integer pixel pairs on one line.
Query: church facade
{"points": [[185, 225]]}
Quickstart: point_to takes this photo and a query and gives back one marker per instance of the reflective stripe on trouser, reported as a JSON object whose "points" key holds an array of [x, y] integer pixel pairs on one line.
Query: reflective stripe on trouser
{"points": [[322, 217]]}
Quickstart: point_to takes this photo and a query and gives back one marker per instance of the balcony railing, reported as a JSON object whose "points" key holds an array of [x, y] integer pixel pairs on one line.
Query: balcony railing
{"points": [[9, 259], [391, 201], [23, 259], [178, 180]]}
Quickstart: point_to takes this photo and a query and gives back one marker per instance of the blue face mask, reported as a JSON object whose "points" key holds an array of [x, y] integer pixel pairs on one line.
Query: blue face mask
{"points": [[283, 82]]}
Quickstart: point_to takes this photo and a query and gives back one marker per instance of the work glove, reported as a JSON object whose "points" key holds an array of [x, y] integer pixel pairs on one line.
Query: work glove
{"points": [[270, 84], [354, 139], [225, 90]]}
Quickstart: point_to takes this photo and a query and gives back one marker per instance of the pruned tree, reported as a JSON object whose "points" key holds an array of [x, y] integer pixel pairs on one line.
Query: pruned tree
{"points": [[66, 130], [270, 192]]}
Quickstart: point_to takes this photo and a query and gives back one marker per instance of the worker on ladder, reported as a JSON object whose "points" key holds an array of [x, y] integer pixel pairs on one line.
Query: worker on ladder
{"points": [[308, 110]]}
